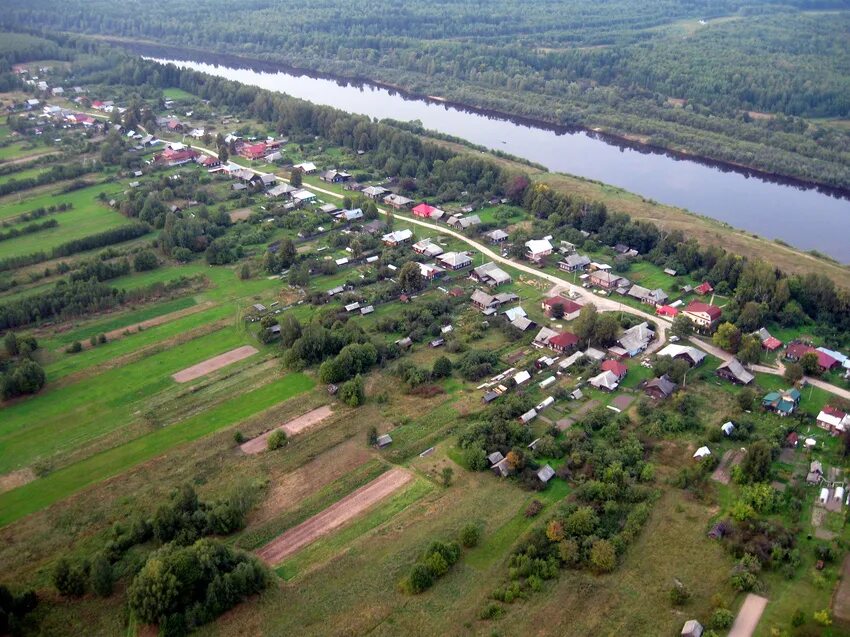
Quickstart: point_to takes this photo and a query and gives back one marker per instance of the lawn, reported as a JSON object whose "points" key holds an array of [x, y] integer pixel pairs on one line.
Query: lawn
{"points": [[174, 93], [84, 199], [64, 482]]}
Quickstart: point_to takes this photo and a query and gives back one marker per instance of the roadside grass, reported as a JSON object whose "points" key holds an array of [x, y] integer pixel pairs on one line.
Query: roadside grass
{"points": [[58, 485]]}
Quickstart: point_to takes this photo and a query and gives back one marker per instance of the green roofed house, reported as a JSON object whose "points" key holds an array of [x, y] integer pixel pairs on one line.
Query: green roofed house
{"points": [[781, 403]]}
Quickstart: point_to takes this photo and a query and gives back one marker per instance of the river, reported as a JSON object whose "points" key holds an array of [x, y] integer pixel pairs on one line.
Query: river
{"points": [[805, 217]]}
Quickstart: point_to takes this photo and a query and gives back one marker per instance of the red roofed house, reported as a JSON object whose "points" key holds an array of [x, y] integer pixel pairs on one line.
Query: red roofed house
{"points": [[563, 342], [97, 104], [616, 367], [424, 210], [702, 314], [176, 157], [771, 343], [253, 151], [704, 288], [666, 310], [208, 161], [571, 308], [796, 350]]}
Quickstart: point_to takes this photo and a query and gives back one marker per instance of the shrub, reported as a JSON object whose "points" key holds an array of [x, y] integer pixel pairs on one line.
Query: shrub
{"points": [[238, 437], [534, 508], [101, 576], [74, 348], [69, 580], [276, 440], [721, 619], [470, 535], [352, 392]]}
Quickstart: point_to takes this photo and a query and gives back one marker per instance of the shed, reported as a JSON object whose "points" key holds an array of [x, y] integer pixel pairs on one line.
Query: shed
{"points": [[702, 452], [495, 458], [692, 628], [384, 441], [824, 495], [545, 474], [728, 428]]}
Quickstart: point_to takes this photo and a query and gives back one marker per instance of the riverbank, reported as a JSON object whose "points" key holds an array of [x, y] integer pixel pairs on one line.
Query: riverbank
{"points": [[623, 139]]}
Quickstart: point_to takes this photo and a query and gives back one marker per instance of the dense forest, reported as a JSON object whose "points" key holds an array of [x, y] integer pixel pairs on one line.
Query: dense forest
{"points": [[695, 75]]}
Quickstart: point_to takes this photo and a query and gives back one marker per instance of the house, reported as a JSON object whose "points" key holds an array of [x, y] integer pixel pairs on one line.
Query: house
{"points": [[565, 342], [176, 155], [514, 313], [689, 354], [570, 360], [424, 210], [490, 274], [815, 473], [607, 280], [522, 377], [384, 441], [207, 161], [497, 236], [644, 295], [427, 248], [606, 381], [594, 354], [574, 263], [484, 302], [307, 167], [375, 192], [334, 176], [796, 350], [704, 288], [841, 359], [301, 197], [733, 371], [545, 474], [727, 428], [571, 308], [781, 403], [281, 190], [615, 367], [267, 180], [455, 260], [636, 339], [347, 216], [398, 237], [462, 223], [252, 151], [502, 468], [523, 323], [398, 202], [543, 337], [702, 314], [666, 310], [702, 452], [538, 249], [660, 388], [274, 156], [834, 420], [495, 458], [692, 628], [768, 342], [430, 272]]}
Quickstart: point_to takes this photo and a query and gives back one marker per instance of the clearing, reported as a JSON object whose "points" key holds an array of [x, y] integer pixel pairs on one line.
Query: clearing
{"points": [[240, 214], [292, 427], [215, 363], [841, 599], [730, 459], [334, 516], [748, 617]]}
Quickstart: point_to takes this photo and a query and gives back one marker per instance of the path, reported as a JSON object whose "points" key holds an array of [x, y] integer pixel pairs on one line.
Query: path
{"points": [[333, 517], [213, 364], [748, 617], [841, 597], [292, 427]]}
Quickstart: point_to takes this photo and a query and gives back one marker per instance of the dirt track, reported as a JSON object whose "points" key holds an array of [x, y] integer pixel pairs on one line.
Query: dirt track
{"points": [[333, 517], [114, 335], [292, 427], [841, 597], [212, 364], [748, 617]]}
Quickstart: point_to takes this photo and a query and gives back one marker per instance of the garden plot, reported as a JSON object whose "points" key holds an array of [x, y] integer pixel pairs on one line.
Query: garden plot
{"points": [[292, 427], [334, 516], [215, 363]]}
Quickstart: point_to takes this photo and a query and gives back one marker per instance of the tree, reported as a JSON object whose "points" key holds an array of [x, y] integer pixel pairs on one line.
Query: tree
{"points": [[557, 311], [584, 325], [470, 535], [290, 330], [682, 326], [751, 316], [421, 578], [270, 262], [442, 368], [245, 272], [756, 464], [727, 337], [750, 350], [10, 341], [276, 440], [352, 392], [101, 576], [372, 436], [286, 253], [296, 177], [793, 372], [410, 277], [602, 556], [69, 580], [745, 398], [447, 474], [145, 260], [810, 364]]}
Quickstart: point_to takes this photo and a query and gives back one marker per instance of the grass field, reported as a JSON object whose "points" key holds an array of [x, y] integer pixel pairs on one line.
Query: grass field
{"points": [[83, 199], [64, 482]]}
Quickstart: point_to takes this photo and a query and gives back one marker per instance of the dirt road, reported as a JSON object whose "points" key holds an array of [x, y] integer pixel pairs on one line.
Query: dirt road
{"points": [[333, 517], [292, 427], [748, 617], [212, 364]]}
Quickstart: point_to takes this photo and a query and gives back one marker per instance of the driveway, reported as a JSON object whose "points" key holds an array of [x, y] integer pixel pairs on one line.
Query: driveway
{"points": [[748, 617]]}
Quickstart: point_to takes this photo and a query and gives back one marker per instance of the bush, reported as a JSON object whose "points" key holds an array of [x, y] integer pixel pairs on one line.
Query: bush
{"points": [[679, 594], [470, 535], [145, 260], [352, 392], [101, 576], [74, 348], [69, 580], [721, 619], [276, 440], [534, 508], [238, 437]]}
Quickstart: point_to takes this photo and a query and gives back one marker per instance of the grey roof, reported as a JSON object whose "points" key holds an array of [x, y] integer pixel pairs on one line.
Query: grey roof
{"points": [[384, 440], [664, 384], [522, 323], [479, 297], [734, 367], [495, 457], [546, 473], [497, 235]]}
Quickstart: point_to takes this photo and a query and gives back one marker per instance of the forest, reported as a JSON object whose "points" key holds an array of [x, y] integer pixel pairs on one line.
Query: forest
{"points": [[729, 80]]}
